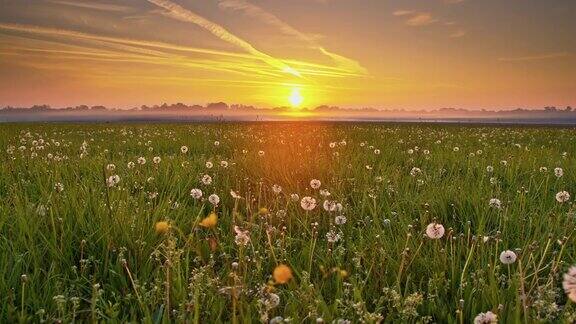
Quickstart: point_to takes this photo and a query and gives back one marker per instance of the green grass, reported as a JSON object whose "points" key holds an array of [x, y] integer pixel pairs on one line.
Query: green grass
{"points": [[91, 253]]}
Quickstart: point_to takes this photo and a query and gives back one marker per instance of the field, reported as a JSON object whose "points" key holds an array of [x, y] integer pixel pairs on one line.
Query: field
{"points": [[302, 222]]}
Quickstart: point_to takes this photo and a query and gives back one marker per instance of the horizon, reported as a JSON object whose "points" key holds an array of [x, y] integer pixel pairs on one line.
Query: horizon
{"points": [[401, 55]]}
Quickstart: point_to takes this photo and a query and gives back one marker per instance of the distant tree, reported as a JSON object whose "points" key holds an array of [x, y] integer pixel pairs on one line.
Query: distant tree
{"points": [[98, 108], [217, 105], [40, 107], [569, 108]]}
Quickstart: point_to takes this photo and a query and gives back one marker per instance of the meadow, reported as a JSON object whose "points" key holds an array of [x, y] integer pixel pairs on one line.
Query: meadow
{"points": [[287, 222]]}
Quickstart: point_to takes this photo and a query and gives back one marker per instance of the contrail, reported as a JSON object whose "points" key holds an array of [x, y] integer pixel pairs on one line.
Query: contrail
{"points": [[178, 12], [256, 12]]}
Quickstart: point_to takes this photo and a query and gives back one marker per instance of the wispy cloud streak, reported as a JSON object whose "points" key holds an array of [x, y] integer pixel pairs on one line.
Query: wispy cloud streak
{"points": [[546, 56], [180, 13], [255, 11]]}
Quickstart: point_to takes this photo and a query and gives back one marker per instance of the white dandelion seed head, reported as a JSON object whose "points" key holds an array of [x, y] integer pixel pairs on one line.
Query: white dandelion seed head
{"points": [[308, 203], [435, 231], [508, 257], [196, 193], [214, 199]]}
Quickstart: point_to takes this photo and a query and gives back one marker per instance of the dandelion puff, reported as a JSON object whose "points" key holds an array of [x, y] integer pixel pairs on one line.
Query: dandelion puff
{"points": [[558, 172], [206, 179], [563, 196], [569, 283], [308, 203], [340, 220], [242, 237], [508, 257], [495, 203], [294, 197], [435, 231], [156, 160], [59, 187], [196, 193], [214, 199], [486, 318], [315, 183], [184, 149], [276, 189]]}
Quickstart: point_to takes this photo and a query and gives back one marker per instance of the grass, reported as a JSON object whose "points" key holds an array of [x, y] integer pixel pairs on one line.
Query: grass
{"points": [[92, 253]]}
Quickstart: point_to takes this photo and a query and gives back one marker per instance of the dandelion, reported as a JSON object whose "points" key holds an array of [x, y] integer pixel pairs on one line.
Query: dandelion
{"points": [[332, 237], [315, 183], [111, 167], [242, 237], [234, 194], [324, 193], [276, 189], [184, 149], [490, 169], [558, 172], [113, 180], [209, 165], [216, 143], [563, 196], [196, 193], [214, 199], [261, 153], [308, 203], [141, 160], [435, 231], [508, 257], [340, 220], [130, 165], [569, 283], [206, 179], [59, 187], [156, 160], [209, 222], [162, 227], [495, 203], [329, 206], [282, 274], [486, 318], [543, 169], [294, 197], [415, 171], [224, 164]]}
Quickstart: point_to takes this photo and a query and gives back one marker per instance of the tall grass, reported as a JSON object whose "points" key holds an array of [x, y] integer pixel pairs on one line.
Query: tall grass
{"points": [[92, 253]]}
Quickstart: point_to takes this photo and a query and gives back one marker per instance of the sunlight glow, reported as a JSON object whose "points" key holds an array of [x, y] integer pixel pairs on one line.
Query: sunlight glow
{"points": [[295, 98]]}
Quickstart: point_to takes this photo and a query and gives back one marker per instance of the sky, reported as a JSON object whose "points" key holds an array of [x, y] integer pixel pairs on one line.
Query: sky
{"points": [[387, 54]]}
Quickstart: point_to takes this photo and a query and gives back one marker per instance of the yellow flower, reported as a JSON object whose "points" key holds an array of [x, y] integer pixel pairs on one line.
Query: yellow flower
{"points": [[263, 211], [210, 221], [162, 227], [282, 274]]}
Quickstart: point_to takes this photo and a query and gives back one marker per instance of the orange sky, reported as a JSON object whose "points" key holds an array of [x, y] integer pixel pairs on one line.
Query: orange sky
{"points": [[411, 54]]}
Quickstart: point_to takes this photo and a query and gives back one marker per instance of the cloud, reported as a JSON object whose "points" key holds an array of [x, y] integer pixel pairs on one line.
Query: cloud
{"points": [[179, 13], [92, 5], [74, 45], [400, 13], [453, 1], [457, 34], [254, 11], [539, 57], [421, 19]]}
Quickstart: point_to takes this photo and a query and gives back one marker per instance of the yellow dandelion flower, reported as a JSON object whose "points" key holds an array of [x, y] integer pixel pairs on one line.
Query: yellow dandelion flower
{"points": [[162, 227], [282, 274], [210, 221]]}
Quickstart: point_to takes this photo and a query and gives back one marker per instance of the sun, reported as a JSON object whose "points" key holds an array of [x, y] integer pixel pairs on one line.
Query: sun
{"points": [[295, 98]]}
